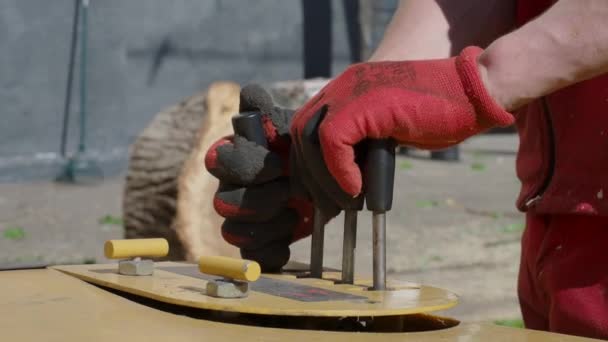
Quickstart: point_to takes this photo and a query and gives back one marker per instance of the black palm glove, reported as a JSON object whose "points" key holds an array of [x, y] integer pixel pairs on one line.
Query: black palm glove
{"points": [[264, 208]]}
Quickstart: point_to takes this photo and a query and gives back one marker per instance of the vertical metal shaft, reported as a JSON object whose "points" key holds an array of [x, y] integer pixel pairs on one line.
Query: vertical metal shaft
{"points": [[83, 76], [316, 248], [68, 91], [379, 250], [348, 248]]}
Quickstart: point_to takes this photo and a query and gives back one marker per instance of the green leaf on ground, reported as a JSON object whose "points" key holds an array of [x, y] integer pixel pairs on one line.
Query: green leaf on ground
{"points": [[513, 227], [14, 233], [426, 203], [513, 323], [406, 165], [495, 215], [111, 220], [478, 166], [436, 258]]}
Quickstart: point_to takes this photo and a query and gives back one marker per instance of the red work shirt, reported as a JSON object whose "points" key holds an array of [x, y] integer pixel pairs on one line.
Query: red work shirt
{"points": [[562, 160]]}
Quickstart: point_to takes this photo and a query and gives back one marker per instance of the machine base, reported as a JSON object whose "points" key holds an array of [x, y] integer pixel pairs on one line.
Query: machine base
{"points": [[48, 305]]}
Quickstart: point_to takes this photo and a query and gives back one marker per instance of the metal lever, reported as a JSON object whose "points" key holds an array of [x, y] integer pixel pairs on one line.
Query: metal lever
{"points": [[379, 179], [350, 240], [249, 126], [349, 246], [316, 245]]}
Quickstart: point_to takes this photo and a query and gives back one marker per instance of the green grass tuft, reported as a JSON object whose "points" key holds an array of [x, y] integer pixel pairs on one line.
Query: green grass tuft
{"points": [[426, 203], [478, 166], [513, 228], [14, 233], [111, 220], [495, 215], [513, 323], [406, 165]]}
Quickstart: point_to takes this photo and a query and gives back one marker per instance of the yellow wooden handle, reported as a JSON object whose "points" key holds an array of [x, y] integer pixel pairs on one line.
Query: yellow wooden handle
{"points": [[231, 268], [131, 248]]}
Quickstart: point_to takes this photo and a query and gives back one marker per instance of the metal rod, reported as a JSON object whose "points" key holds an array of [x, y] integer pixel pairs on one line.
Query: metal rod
{"points": [[379, 250], [68, 88], [316, 248], [83, 76], [348, 248]]}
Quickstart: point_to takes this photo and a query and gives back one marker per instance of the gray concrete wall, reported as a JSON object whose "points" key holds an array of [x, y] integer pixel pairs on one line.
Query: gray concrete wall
{"points": [[196, 41]]}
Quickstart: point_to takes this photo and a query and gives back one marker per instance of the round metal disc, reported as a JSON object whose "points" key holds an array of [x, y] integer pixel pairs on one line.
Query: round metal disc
{"points": [[272, 294]]}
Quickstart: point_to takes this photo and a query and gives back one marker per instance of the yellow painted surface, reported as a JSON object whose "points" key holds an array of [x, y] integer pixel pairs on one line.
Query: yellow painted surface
{"points": [[173, 288], [131, 248], [232, 268], [49, 306]]}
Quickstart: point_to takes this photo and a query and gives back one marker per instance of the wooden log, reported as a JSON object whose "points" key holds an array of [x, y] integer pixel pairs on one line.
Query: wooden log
{"points": [[197, 224]]}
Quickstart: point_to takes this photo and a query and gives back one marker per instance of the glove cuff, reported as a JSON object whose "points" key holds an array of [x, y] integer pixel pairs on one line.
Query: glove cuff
{"points": [[490, 113]]}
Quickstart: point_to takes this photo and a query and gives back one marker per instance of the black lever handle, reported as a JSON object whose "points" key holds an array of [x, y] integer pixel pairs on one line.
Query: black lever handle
{"points": [[249, 126], [379, 175], [379, 180]]}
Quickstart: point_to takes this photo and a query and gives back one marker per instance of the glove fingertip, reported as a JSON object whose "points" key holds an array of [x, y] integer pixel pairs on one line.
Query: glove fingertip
{"points": [[254, 97], [238, 241], [348, 176], [340, 160], [211, 160], [227, 210], [352, 182]]}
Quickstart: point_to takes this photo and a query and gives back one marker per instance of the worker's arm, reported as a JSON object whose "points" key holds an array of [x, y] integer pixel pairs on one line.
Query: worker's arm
{"points": [[423, 29], [565, 45]]}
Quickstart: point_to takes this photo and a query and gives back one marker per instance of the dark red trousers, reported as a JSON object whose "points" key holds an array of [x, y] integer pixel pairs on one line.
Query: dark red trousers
{"points": [[563, 277]]}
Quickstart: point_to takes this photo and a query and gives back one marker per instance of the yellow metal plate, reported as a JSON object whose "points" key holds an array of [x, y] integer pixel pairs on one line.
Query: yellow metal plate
{"points": [[46, 305], [272, 294]]}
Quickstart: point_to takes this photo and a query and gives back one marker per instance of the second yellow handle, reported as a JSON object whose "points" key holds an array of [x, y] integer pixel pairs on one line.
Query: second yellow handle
{"points": [[237, 269]]}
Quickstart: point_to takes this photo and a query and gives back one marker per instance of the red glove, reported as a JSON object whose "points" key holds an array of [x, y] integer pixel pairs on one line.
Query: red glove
{"points": [[429, 104]]}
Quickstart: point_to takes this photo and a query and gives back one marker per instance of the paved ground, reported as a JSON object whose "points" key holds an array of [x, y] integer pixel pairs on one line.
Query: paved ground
{"points": [[453, 226]]}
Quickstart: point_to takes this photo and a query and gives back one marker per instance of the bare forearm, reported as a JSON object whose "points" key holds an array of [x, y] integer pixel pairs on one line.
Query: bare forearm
{"points": [[423, 29], [565, 45]]}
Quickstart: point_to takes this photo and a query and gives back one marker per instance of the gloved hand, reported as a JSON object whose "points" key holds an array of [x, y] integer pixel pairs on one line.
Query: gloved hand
{"points": [[428, 104], [263, 212]]}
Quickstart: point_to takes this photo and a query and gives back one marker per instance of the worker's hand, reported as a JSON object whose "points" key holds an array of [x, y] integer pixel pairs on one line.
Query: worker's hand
{"points": [[429, 104], [264, 213]]}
